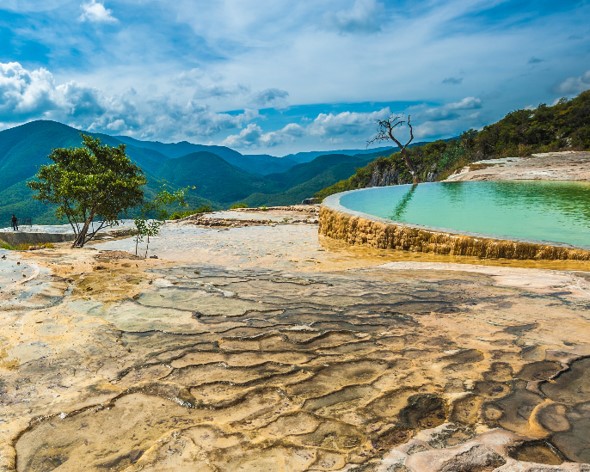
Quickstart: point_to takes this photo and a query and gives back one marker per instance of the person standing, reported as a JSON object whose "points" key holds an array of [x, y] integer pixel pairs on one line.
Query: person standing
{"points": [[14, 221]]}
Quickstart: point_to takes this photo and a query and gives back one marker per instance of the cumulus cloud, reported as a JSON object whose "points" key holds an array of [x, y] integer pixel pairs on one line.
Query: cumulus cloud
{"points": [[248, 137], [349, 123], [271, 97], [78, 100], [439, 114], [431, 129], [179, 114], [205, 85], [32, 94], [448, 111], [467, 103], [25, 93], [96, 12], [365, 16], [328, 127], [253, 136], [445, 120], [575, 85], [219, 91], [285, 135]]}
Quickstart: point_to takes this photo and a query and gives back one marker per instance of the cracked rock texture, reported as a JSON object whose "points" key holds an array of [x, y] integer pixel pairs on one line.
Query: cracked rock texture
{"points": [[324, 361]]}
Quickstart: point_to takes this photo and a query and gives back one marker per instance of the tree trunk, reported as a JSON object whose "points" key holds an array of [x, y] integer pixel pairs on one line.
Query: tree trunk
{"points": [[81, 238], [411, 167]]}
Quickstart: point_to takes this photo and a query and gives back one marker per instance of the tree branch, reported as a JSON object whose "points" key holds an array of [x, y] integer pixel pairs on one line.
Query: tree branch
{"points": [[386, 132], [411, 131]]}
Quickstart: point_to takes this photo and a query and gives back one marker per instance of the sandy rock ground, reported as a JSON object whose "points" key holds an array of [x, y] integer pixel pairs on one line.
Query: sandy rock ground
{"points": [[567, 165], [251, 345]]}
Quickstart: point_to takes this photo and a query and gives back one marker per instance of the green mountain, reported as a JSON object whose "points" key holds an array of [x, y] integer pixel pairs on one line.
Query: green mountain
{"points": [[214, 178], [307, 156], [24, 148], [563, 126], [221, 175], [304, 180], [261, 164]]}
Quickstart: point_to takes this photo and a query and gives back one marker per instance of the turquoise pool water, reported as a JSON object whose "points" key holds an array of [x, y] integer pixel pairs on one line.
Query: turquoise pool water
{"points": [[549, 212]]}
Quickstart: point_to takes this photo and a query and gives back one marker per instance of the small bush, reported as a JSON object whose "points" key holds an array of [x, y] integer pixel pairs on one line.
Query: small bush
{"points": [[237, 205]]}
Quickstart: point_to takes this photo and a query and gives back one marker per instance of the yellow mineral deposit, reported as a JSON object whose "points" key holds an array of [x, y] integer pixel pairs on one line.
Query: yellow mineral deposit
{"points": [[356, 230]]}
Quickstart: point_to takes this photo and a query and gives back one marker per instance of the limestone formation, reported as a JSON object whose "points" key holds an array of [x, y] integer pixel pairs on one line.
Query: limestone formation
{"points": [[326, 361], [357, 230]]}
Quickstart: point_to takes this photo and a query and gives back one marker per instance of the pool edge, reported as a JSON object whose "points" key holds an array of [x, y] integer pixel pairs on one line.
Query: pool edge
{"points": [[357, 228]]}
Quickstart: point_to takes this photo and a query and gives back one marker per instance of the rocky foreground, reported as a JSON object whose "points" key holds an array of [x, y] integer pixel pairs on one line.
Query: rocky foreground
{"points": [[251, 346]]}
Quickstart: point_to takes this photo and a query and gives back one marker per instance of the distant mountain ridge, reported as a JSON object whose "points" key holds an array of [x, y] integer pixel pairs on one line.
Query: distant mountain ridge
{"points": [[222, 176]]}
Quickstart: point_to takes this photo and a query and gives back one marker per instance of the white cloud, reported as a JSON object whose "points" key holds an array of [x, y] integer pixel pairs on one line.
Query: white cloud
{"points": [[328, 127], [467, 103], [78, 100], [25, 93], [351, 123], [248, 137], [432, 129], [96, 12], [575, 85], [364, 16], [253, 136], [446, 120], [176, 68], [238, 47], [29, 94], [286, 134], [271, 97], [203, 85]]}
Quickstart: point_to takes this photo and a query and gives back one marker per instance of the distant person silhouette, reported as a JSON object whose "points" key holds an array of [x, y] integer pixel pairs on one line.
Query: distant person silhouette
{"points": [[14, 221]]}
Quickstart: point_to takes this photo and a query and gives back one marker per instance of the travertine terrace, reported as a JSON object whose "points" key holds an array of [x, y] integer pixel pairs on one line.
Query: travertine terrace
{"points": [[355, 228], [256, 348]]}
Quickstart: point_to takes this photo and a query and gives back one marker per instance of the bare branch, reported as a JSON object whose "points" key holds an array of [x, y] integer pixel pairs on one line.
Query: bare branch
{"points": [[411, 131], [386, 132]]}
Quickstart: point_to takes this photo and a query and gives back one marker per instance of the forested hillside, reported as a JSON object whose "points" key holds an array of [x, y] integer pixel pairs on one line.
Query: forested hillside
{"points": [[219, 175], [564, 126]]}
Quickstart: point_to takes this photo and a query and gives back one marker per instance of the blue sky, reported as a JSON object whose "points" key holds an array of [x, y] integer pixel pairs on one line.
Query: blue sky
{"points": [[282, 76]]}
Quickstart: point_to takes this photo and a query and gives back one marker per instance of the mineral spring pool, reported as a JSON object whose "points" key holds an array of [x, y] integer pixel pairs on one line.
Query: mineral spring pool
{"points": [[547, 212]]}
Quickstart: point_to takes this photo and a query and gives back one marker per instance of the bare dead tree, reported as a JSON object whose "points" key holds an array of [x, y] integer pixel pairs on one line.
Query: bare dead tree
{"points": [[386, 132]]}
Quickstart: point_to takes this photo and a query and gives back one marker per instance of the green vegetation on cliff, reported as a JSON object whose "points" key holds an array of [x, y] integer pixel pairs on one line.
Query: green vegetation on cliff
{"points": [[564, 126]]}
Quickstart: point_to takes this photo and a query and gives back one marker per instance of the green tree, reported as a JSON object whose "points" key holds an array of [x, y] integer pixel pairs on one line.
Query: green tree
{"points": [[154, 212], [93, 181]]}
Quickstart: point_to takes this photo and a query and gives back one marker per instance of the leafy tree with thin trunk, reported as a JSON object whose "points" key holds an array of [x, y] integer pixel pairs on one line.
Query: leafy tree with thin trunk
{"points": [[386, 132], [91, 182], [147, 227]]}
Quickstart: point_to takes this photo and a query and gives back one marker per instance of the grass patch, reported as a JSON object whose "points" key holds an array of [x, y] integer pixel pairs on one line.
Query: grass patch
{"points": [[5, 245], [25, 246]]}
